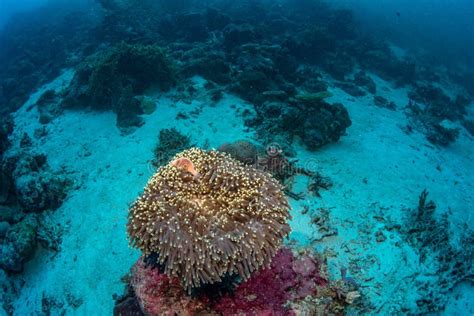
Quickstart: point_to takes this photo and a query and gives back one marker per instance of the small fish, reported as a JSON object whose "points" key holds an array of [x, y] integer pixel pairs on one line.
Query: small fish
{"points": [[185, 164]]}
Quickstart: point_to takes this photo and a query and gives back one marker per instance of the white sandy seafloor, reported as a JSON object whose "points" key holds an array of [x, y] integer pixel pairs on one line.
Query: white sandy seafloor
{"points": [[377, 171]]}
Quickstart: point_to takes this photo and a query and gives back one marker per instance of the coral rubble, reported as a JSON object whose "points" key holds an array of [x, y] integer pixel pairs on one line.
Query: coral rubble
{"points": [[444, 262], [433, 113]]}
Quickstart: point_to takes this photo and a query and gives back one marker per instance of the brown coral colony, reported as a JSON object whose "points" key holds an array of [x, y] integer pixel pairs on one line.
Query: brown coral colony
{"points": [[230, 220]]}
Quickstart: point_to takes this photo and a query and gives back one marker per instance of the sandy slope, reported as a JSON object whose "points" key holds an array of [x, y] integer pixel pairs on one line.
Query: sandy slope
{"points": [[111, 169]]}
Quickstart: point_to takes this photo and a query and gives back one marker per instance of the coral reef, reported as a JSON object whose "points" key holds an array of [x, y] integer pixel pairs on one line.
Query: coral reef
{"points": [[38, 45], [261, 47], [31, 188], [211, 66], [281, 59], [139, 66], [374, 54], [229, 219], [238, 35], [218, 43], [112, 79], [309, 117], [433, 113], [49, 233], [128, 109], [263, 69], [351, 89], [437, 103], [7, 294], [442, 134], [19, 244], [294, 283], [32, 184]]}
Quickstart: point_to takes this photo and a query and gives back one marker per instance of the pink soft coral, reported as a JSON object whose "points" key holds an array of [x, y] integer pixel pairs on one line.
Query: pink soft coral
{"points": [[274, 290], [266, 291], [158, 294]]}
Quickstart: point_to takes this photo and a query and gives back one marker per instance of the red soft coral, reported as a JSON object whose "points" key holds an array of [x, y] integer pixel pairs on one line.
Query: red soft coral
{"points": [[158, 294], [270, 291]]}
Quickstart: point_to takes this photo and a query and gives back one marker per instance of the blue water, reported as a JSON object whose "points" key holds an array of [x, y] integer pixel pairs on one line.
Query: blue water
{"points": [[363, 111]]}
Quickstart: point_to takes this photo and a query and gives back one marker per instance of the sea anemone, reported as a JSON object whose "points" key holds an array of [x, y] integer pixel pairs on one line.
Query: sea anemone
{"points": [[206, 215]]}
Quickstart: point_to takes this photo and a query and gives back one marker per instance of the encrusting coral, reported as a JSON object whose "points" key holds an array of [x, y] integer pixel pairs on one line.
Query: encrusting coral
{"points": [[222, 218]]}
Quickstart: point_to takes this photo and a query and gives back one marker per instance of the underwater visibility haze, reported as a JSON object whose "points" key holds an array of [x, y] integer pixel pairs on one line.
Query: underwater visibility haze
{"points": [[250, 157]]}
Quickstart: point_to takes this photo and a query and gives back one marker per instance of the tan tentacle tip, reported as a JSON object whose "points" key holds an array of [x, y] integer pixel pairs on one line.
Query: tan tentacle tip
{"points": [[185, 164]]}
